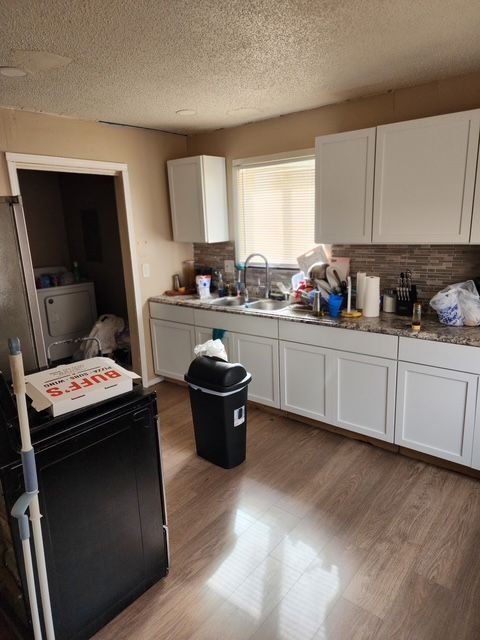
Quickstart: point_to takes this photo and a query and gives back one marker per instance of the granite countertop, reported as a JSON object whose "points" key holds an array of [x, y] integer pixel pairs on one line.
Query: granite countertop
{"points": [[387, 323]]}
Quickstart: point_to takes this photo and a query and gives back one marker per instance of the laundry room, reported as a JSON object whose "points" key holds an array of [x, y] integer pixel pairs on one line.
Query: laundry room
{"points": [[74, 240]]}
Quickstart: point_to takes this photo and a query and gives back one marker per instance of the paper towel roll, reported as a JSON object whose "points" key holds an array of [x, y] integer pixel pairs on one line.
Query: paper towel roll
{"points": [[361, 276], [371, 302]]}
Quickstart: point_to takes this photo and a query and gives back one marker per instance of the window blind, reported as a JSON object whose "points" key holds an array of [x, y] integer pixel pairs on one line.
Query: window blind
{"points": [[276, 209]]}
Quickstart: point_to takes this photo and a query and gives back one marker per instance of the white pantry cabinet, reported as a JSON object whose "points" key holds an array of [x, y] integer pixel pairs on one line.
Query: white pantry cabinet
{"points": [[173, 344], [303, 379], [198, 199], [363, 394], [424, 179], [344, 168], [259, 356], [436, 411]]}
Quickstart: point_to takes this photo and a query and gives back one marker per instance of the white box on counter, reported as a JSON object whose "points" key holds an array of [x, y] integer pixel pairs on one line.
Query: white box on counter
{"points": [[72, 386]]}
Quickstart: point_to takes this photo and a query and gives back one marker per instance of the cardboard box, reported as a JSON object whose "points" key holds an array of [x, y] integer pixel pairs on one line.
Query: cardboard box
{"points": [[72, 386]]}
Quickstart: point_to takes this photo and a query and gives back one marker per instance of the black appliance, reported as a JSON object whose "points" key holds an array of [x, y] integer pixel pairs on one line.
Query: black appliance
{"points": [[102, 498]]}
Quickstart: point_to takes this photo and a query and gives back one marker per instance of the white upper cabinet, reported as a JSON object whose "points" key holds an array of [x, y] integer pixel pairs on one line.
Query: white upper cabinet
{"points": [[424, 179], [475, 233], [198, 199], [344, 187]]}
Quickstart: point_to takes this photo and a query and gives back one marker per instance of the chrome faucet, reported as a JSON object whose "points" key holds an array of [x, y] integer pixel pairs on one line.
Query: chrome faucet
{"points": [[267, 275]]}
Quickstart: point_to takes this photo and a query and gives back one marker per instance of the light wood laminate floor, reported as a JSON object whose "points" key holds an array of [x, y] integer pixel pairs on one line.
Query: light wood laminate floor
{"points": [[314, 536]]}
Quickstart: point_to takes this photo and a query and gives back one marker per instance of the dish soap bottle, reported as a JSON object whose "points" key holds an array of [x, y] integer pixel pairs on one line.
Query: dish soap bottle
{"points": [[417, 317]]}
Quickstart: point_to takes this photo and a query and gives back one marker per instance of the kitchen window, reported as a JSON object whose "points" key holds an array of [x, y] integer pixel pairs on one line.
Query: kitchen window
{"points": [[275, 207]]}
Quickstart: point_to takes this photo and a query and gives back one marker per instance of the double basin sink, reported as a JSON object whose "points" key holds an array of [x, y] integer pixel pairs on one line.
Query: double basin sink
{"points": [[258, 305]]}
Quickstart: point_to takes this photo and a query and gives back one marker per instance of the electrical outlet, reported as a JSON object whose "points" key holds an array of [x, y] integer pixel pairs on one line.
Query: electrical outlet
{"points": [[229, 266]]}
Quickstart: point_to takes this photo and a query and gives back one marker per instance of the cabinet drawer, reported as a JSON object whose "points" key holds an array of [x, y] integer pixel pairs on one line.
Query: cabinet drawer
{"points": [[438, 354], [372, 344], [240, 323], [171, 312]]}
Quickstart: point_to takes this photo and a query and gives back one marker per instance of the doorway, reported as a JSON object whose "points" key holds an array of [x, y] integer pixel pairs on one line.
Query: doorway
{"points": [[74, 241], [87, 222]]}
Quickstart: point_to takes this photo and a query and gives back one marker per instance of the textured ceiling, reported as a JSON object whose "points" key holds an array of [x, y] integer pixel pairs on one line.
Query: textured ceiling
{"points": [[233, 61]]}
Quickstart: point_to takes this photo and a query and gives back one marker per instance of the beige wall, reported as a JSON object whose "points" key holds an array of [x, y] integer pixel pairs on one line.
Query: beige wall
{"points": [[298, 130], [145, 153]]}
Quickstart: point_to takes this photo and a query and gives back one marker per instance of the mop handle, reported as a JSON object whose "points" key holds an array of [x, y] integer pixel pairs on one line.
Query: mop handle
{"points": [[19, 513], [19, 388], [31, 483]]}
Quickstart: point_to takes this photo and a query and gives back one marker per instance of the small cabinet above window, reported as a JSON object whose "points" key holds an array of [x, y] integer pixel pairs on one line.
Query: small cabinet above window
{"points": [[198, 199]]}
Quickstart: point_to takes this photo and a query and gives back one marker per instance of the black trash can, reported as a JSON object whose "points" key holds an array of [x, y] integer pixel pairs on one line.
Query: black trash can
{"points": [[218, 396]]}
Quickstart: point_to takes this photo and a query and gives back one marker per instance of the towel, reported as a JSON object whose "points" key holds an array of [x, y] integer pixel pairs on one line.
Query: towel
{"points": [[218, 334]]}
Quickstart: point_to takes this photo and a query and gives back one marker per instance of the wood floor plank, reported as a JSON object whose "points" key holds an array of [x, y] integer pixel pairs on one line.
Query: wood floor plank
{"points": [[379, 579], [409, 616], [452, 532], [347, 620]]}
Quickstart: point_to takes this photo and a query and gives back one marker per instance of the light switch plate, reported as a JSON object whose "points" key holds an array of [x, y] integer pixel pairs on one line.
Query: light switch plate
{"points": [[229, 266], [146, 270]]}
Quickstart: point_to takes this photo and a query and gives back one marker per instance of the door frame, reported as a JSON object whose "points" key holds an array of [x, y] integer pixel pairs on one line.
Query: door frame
{"points": [[119, 171]]}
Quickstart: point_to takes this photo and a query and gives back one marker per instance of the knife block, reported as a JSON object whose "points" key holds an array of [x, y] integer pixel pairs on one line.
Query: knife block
{"points": [[405, 307]]}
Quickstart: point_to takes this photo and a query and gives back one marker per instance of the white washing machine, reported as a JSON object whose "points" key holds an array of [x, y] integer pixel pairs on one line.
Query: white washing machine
{"points": [[66, 312]]}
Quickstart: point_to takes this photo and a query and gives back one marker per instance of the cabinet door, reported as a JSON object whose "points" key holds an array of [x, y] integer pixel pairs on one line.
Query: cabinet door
{"points": [[259, 356], [436, 411], [202, 334], [303, 379], [476, 436], [424, 179], [172, 348], [363, 392], [187, 199], [475, 233], [344, 187]]}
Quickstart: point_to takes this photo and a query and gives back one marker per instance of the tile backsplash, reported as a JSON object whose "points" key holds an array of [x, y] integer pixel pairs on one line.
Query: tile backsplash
{"points": [[433, 266]]}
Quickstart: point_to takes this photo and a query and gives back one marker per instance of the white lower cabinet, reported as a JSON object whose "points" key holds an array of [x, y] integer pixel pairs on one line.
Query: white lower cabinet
{"points": [[173, 344], [259, 356], [363, 394], [202, 334], [303, 379], [476, 435], [436, 411]]}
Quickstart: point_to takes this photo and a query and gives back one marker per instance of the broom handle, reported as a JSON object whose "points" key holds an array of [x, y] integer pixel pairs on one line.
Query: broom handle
{"points": [[30, 476]]}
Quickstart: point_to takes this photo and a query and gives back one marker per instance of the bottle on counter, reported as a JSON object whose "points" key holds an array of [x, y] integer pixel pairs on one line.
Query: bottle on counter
{"points": [[417, 317], [220, 285]]}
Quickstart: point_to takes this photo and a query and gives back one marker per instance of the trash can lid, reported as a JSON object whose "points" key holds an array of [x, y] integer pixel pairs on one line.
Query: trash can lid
{"points": [[214, 373]]}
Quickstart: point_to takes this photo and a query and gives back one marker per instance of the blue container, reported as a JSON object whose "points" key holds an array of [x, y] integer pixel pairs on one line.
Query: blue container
{"points": [[335, 303]]}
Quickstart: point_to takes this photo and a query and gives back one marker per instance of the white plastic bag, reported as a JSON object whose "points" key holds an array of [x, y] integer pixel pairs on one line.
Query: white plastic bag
{"points": [[447, 306], [214, 348], [469, 303], [458, 304]]}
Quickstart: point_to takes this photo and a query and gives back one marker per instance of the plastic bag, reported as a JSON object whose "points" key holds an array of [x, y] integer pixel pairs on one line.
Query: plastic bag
{"points": [[469, 303], [458, 304], [214, 348]]}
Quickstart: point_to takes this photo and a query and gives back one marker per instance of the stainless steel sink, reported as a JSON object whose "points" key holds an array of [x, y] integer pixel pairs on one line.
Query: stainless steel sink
{"points": [[267, 305], [229, 301]]}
